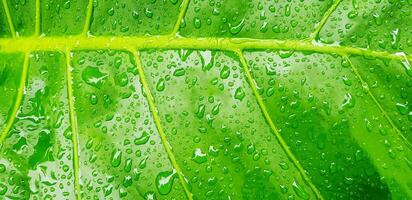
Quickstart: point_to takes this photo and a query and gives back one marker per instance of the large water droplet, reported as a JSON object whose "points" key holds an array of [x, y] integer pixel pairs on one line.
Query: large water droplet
{"points": [[116, 158], [237, 28], [142, 139], [225, 72], [299, 190], [160, 86], [164, 181], [198, 156], [93, 77], [239, 94]]}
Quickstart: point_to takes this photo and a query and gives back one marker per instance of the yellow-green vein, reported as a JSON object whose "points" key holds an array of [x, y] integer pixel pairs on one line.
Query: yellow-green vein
{"points": [[159, 127], [183, 9], [9, 20], [385, 114], [37, 20], [167, 42], [273, 126], [325, 18], [87, 21], [73, 124], [19, 99]]}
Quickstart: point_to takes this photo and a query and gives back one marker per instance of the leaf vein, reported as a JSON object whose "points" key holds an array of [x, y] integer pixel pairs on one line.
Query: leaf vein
{"points": [[180, 17], [167, 42], [159, 127], [87, 21], [272, 125], [385, 114], [37, 19], [19, 99], [73, 124], [325, 18], [9, 19]]}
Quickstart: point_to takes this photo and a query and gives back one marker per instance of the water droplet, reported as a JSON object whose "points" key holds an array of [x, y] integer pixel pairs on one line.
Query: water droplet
{"points": [[148, 12], [3, 189], [299, 190], [121, 79], [200, 111], [142, 139], [236, 29], [93, 77], [108, 190], [164, 181], [197, 23], [179, 72], [348, 102], [225, 72], [110, 11], [239, 94], [198, 156], [2, 168], [93, 99], [160, 86], [116, 158], [402, 108], [407, 67]]}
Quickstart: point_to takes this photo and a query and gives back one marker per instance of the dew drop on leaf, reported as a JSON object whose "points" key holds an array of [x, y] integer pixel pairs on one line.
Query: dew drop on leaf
{"points": [[348, 102], [239, 94], [3, 189], [299, 190], [164, 181], [93, 77], [225, 72], [198, 156], [2, 168], [110, 11], [236, 28], [160, 86], [142, 139], [148, 12], [179, 72], [116, 158], [197, 23], [402, 108], [407, 67]]}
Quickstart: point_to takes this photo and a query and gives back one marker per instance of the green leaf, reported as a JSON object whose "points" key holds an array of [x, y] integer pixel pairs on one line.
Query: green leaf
{"points": [[188, 99]]}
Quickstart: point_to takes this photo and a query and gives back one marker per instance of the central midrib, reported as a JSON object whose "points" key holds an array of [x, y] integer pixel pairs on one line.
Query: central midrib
{"points": [[29, 44]]}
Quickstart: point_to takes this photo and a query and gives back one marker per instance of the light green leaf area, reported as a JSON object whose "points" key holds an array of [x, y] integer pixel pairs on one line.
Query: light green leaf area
{"points": [[196, 99]]}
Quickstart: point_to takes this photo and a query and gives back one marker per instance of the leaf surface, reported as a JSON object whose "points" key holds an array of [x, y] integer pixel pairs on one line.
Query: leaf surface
{"points": [[205, 99]]}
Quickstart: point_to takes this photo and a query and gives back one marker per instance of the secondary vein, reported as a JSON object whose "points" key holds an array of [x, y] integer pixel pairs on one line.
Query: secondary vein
{"points": [[325, 18], [18, 101], [159, 127], [73, 124], [182, 13], [272, 125], [9, 20], [385, 114], [87, 21], [37, 19]]}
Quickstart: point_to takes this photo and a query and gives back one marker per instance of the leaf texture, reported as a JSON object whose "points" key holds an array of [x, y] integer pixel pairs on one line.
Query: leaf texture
{"points": [[194, 99]]}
